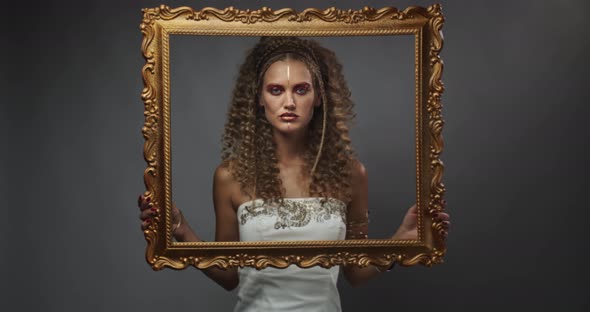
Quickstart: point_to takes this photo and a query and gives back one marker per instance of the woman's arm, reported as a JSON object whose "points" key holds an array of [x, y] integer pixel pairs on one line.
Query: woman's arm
{"points": [[226, 224], [357, 226], [357, 223]]}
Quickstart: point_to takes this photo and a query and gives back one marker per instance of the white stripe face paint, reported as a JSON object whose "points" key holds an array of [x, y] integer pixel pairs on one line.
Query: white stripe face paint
{"points": [[288, 71], [289, 98]]}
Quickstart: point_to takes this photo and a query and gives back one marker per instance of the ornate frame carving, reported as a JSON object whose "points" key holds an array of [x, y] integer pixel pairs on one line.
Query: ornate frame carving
{"points": [[423, 23]]}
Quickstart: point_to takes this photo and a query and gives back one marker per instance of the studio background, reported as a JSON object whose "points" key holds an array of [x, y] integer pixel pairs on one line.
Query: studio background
{"points": [[379, 71], [514, 159]]}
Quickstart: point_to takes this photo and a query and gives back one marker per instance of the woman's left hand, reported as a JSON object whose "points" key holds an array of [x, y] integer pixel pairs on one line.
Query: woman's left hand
{"points": [[409, 227]]}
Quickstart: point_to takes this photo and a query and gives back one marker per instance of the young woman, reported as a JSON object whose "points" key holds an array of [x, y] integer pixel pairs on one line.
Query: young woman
{"points": [[288, 173]]}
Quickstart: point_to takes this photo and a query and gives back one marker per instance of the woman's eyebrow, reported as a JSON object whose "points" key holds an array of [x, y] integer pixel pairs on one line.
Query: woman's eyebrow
{"points": [[302, 84], [273, 86]]}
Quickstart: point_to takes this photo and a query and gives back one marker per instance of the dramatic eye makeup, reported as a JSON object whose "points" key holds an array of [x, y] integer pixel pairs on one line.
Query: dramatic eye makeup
{"points": [[275, 89], [300, 89]]}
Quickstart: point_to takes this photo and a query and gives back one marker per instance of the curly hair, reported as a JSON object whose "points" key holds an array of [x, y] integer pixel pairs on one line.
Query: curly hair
{"points": [[248, 147]]}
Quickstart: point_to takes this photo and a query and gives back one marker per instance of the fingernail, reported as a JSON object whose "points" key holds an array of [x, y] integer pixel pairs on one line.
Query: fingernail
{"points": [[148, 199], [148, 220], [154, 209]]}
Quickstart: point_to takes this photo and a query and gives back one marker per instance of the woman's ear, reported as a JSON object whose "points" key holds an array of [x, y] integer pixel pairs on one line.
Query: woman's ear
{"points": [[260, 102], [317, 101]]}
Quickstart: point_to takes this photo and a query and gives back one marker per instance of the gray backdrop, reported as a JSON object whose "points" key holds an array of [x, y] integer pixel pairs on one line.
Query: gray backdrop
{"points": [[380, 74], [72, 168]]}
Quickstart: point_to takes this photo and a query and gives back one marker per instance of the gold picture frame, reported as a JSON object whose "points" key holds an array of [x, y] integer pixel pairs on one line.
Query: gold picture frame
{"points": [[423, 23]]}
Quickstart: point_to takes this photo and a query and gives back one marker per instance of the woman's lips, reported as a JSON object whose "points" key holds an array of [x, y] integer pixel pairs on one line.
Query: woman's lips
{"points": [[288, 117]]}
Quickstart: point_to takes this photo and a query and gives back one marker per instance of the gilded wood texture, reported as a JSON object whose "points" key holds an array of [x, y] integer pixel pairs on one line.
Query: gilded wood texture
{"points": [[424, 23]]}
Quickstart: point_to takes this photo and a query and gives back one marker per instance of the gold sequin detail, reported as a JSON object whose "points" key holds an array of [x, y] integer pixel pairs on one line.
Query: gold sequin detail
{"points": [[295, 213]]}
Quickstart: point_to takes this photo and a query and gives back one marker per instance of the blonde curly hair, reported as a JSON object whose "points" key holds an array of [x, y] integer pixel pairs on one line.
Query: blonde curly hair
{"points": [[248, 147]]}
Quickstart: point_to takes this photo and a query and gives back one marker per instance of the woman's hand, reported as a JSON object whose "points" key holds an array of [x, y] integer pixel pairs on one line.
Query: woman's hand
{"points": [[409, 227], [148, 210], [182, 232]]}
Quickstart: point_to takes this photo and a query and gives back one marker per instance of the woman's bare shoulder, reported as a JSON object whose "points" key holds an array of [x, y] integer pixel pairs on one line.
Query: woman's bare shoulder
{"points": [[358, 172], [223, 173], [226, 184], [357, 180]]}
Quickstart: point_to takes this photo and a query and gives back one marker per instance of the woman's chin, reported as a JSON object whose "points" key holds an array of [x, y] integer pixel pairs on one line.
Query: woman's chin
{"points": [[290, 129]]}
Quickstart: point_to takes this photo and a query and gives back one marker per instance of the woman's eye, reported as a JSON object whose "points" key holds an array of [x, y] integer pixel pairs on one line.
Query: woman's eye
{"points": [[275, 91], [301, 91]]}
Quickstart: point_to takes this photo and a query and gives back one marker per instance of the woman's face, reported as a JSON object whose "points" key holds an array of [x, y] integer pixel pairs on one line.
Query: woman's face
{"points": [[288, 96]]}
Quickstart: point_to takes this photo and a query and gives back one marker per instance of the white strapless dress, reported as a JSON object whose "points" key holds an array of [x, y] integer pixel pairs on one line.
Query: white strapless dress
{"points": [[292, 288]]}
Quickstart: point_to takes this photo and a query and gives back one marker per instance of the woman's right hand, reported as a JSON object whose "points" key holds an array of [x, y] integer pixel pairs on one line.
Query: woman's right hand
{"points": [[147, 211]]}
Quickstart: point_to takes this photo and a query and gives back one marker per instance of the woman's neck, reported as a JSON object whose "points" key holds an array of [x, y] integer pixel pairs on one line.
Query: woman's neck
{"points": [[290, 148]]}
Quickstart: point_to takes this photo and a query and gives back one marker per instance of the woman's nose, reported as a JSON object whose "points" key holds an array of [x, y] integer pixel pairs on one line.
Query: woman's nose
{"points": [[290, 103]]}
